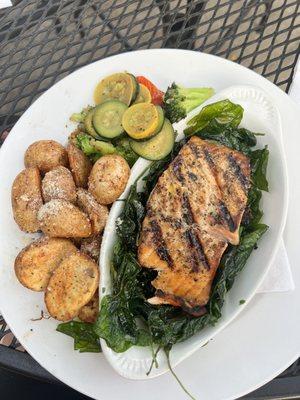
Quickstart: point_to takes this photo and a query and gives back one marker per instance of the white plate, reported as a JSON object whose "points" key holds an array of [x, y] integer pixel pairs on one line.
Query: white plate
{"points": [[260, 115], [253, 349]]}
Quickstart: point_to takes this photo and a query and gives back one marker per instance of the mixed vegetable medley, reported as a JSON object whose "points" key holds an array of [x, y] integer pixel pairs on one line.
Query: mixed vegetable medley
{"points": [[134, 118]]}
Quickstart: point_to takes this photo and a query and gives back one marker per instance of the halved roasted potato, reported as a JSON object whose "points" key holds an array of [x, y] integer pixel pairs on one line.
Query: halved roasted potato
{"points": [[80, 165], [108, 178], [59, 218], [89, 312], [96, 212], [71, 286], [59, 184], [35, 264], [91, 246], [46, 155], [26, 198]]}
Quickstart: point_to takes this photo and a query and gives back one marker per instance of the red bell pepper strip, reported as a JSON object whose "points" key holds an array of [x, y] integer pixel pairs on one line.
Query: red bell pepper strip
{"points": [[156, 94]]}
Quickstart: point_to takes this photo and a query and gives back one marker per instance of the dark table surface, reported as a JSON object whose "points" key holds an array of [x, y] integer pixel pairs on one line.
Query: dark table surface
{"points": [[42, 41], [14, 386]]}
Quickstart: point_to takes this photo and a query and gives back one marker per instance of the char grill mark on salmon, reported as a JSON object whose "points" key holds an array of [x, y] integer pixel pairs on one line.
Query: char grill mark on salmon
{"points": [[193, 212], [161, 247], [194, 243]]}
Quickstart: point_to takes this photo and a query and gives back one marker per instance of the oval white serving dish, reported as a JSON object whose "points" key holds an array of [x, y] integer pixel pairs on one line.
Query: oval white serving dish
{"points": [[260, 115]]}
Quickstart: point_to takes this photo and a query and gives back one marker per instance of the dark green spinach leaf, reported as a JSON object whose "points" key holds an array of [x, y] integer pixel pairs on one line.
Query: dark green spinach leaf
{"points": [[129, 223], [239, 139], [117, 322], [223, 112], [85, 339], [259, 161]]}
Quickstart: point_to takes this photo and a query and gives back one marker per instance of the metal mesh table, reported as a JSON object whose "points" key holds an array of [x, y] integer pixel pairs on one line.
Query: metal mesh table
{"points": [[42, 41]]}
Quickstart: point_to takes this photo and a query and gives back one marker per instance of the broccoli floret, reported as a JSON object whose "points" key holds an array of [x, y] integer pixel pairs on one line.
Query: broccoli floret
{"points": [[95, 149], [80, 117], [124, 149], [84, 142], [179, 101]]}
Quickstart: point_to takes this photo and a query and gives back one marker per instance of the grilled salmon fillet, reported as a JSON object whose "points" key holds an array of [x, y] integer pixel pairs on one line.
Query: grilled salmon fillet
{"points": [[193, 212]]}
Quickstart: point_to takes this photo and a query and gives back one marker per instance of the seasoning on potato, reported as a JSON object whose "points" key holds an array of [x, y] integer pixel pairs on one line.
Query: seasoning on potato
{"points": [[80, 165], [35, 264], [96, 212], [59, 218], [46, 155], [71, 286], [26, 198], [59, 184], [89, 312], [73, 136], [108, 178], [91, 246]]}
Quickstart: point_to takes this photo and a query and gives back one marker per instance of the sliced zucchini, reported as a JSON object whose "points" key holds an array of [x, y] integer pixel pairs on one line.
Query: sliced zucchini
{"points": [[88, 124], [103, 147], [136, 88], [157, 147], [144, 95], [120, 86], [142, 121], [107, 118]]}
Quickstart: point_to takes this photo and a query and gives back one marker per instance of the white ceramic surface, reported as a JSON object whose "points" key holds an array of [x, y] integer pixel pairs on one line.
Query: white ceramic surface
{"points": [[258, 345], [260, 115]]}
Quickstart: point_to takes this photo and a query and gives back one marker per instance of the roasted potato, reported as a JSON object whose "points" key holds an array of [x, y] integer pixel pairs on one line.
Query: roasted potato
{"points": [[108, 178], [35, 263], [71, 286], [80, 165], [46, 155], [26, 198], [73, 136], [96, 212], [59, 184], [59, 218], [89, 312], [91, 246]]}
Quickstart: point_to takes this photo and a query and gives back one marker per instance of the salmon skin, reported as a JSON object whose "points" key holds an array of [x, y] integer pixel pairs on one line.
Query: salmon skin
{"points": [[193, 212]]}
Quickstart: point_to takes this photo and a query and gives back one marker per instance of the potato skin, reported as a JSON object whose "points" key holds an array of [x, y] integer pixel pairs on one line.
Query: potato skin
{"points": [[91, 246], [46, 155], [59, 218], [59, 184], [108, 178], [35, 264], [80, 165], [96, 212], [89, 312], [71, 286], [26, 198]]}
